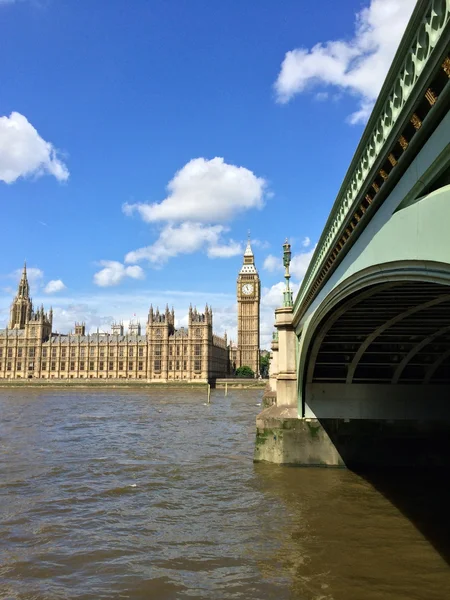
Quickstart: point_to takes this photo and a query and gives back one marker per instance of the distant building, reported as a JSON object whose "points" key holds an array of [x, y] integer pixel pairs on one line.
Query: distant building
{"points": [[29, 349], [248, 301]]}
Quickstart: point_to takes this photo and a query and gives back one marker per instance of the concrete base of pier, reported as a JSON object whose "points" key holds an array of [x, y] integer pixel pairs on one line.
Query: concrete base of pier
{"points": [[283, 438]]}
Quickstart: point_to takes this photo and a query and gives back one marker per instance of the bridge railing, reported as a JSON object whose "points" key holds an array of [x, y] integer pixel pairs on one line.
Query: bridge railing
{"points": [[385, 138]]}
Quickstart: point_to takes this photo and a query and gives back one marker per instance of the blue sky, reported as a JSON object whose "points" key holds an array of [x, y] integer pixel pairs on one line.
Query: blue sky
{"points": [[140, 141]]}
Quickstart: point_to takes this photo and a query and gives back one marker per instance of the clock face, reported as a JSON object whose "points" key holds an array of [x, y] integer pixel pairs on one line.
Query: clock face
{"points": [[247, 289]]}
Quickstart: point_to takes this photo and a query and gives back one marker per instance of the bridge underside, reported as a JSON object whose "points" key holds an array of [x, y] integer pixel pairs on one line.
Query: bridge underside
{"points": [[375, 387], [378, 375]]}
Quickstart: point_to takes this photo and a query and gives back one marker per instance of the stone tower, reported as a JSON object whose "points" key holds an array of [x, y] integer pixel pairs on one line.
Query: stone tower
{"points": [[22, 305], [248, 300]]}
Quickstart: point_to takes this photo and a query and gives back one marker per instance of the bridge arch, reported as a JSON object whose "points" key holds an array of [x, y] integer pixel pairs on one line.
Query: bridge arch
{"points": [[388, 325]]}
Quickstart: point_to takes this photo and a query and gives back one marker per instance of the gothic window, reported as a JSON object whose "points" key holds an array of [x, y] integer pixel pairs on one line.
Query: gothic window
{"points": [[198, 350], [111, 365], [19, 366], [141, 351], [111, 351], [53, 352], [91, 366], [101, 365], [121, 365], [72, 366], [120, 351], [157, 365], [170, 365], [44, 366], [198, 332], [63, 366], [170, 350], [1, 352], [158, 350], [102, 353], [8, 366], [19, 352], [82, 365], [197, 365], [83, 352], [158, 333], [178, 350], [140, 367], [91, 351], [53, 366], [130, 366], [10, 352], [72, 352], [130, 352], [63, 353], [178, 365]]}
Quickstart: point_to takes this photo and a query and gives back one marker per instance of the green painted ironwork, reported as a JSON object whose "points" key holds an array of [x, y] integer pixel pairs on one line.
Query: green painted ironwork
{"points": [[428, 28], [287, 294]]}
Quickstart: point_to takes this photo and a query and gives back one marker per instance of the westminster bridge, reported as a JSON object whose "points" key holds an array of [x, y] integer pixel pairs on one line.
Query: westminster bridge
{"points": [[361, 359]]}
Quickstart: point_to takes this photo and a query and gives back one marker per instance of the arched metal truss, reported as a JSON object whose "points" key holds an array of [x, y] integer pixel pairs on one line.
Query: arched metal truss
{"points": [[387, 333]]}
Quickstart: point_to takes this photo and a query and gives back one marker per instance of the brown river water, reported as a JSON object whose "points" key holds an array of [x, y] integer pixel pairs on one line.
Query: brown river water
{"points": [[141, 495]]}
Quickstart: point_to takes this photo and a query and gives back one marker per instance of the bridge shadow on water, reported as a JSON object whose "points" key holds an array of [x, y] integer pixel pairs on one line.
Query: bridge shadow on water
{"points": [[423, 497], [418, 486]]}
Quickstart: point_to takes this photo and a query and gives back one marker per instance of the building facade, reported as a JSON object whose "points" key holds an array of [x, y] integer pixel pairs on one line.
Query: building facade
{"points": [[248, 302], [29, 349]]}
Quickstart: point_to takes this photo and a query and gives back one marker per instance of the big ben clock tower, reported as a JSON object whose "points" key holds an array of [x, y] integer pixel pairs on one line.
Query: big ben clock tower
{"points": [[248, 299]]}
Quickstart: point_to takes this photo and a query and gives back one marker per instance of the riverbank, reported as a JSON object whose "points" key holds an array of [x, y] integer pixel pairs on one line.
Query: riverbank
{"points": [[131, 383]]}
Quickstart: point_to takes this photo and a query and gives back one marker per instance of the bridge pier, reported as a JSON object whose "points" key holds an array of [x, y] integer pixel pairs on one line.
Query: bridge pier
{"points": [[282, 437]]}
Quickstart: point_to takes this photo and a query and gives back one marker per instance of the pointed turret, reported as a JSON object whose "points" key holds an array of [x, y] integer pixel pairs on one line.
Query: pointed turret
{"points": [[248, 265], [22, 307], [24, 288]]}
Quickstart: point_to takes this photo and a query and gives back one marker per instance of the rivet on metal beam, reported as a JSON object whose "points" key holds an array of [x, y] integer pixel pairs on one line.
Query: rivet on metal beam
{"points": [[392, 159], [416, 121], [362, 208], [403, 142], [383, 174], [369, 199], [349, 233], [431, 96], [446, 66], [357, 217], [375, 186]]}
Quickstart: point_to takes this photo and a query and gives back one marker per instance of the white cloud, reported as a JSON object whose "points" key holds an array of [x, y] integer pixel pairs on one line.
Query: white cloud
{"points": [[173, 240], [300, 263], [225, 250], [203, 196], [357, 66], [53, 286], [272, 263], [114, 272], [321, 96], [205, 191], [24, 153]]}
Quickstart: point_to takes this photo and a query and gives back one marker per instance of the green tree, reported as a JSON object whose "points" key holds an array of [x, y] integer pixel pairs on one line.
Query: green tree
{"points": [[264, 361], [244, 372]]}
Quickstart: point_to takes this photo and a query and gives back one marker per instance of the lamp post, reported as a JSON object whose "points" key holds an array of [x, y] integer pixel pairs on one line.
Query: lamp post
{"points": [[287, 294]]}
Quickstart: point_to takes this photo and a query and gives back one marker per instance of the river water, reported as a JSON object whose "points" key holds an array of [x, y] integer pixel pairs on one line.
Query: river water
{"points": [[142, 495]]}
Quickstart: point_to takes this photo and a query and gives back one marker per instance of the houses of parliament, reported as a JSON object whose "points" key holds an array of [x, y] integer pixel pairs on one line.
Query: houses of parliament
{"points": [[29, 349]]}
